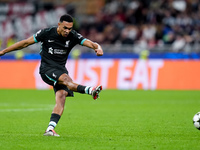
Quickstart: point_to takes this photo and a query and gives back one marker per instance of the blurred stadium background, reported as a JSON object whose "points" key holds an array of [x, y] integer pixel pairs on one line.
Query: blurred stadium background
{"points": [[120, 25], [148, 45], [127, 30]]}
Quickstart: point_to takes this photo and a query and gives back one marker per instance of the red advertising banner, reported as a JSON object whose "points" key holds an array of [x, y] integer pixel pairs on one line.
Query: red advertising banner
{"points": [[111, 73]]}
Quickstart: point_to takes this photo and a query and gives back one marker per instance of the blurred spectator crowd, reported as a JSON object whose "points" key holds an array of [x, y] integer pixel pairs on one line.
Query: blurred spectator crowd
{"points": [[141, 24], [20, 20], [147, 24]]}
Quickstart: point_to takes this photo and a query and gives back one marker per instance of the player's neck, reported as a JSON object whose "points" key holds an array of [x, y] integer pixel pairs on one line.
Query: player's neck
{"points": [[58, 31]]}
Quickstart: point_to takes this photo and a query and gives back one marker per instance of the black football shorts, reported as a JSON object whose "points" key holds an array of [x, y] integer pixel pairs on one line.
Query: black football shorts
{"points": [[51, 77]]}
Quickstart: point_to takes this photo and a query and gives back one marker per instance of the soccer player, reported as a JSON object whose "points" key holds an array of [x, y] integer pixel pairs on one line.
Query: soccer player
{"points": [[56, 44]]}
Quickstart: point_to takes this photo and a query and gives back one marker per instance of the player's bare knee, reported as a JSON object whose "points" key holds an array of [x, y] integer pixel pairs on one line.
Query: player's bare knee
{"points": [[63, 94]]}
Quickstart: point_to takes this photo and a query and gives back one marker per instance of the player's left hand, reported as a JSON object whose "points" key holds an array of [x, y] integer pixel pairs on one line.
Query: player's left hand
{"points": [[99, 52], [1, 53]]}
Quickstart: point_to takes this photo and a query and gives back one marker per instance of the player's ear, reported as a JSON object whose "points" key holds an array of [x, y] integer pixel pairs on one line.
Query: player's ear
{"points": [[59, 25]]}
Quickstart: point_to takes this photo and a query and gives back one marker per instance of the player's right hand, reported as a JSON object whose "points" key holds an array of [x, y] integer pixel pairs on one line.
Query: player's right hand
{"points": [[99, 52]]}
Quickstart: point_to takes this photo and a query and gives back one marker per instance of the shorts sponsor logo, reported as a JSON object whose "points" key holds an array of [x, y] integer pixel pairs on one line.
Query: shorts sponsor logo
{"points": [[50, 41], [54, 75]]}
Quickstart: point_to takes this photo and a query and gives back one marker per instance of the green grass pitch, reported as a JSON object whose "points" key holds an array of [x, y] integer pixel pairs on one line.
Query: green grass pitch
{"points": [[119, 120]]}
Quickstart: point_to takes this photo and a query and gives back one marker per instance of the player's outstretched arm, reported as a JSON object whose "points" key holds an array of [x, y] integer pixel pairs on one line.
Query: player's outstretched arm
{"points": [[97, 48], [17, 46]]}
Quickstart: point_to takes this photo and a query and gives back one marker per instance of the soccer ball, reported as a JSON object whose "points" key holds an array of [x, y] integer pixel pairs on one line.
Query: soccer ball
{"points": [[196, 120]]}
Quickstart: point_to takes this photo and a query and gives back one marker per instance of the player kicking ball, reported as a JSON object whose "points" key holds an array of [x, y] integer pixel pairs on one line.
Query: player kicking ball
{"points": [[56, 44]]}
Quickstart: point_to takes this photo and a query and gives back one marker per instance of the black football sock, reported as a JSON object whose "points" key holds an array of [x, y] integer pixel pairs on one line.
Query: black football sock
{"points": [[53, 121], [81, 89]]}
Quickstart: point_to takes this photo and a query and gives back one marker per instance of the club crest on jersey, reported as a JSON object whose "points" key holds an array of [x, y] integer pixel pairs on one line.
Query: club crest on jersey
{"points": [[50, 50], [67, 44]]}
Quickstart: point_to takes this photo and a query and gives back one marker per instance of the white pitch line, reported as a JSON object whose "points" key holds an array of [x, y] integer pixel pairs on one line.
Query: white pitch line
{"points": [[26, 104], [25, 109]]}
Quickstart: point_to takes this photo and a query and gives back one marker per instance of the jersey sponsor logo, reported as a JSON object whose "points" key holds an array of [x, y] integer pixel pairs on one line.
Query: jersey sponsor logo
{"points": [[59, 51], [67, 44], [50, 41], [50, 50]]}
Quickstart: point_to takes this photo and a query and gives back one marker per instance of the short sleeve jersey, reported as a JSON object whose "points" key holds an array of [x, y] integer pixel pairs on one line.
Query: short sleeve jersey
{"points": [[56, 48]]}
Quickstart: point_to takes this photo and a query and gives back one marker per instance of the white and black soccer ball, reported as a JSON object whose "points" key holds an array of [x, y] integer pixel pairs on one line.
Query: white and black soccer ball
{"points": [[196, 120]]}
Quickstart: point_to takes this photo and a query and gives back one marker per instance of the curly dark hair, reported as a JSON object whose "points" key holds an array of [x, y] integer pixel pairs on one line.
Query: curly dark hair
{"points": [[66, 18]]}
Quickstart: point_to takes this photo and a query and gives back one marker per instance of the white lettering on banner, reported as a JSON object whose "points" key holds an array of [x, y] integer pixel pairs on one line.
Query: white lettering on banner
{"points": [[155, 65], [130, 74], [124, 74], [140, 75], [90, 73], [76, 72], [71, 67], [39, 83], [86, 68], [80, 72], [105, 66]]}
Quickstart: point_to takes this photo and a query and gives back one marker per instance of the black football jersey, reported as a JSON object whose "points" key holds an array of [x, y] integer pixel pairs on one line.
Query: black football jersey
{"points": [[56, 48]]}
